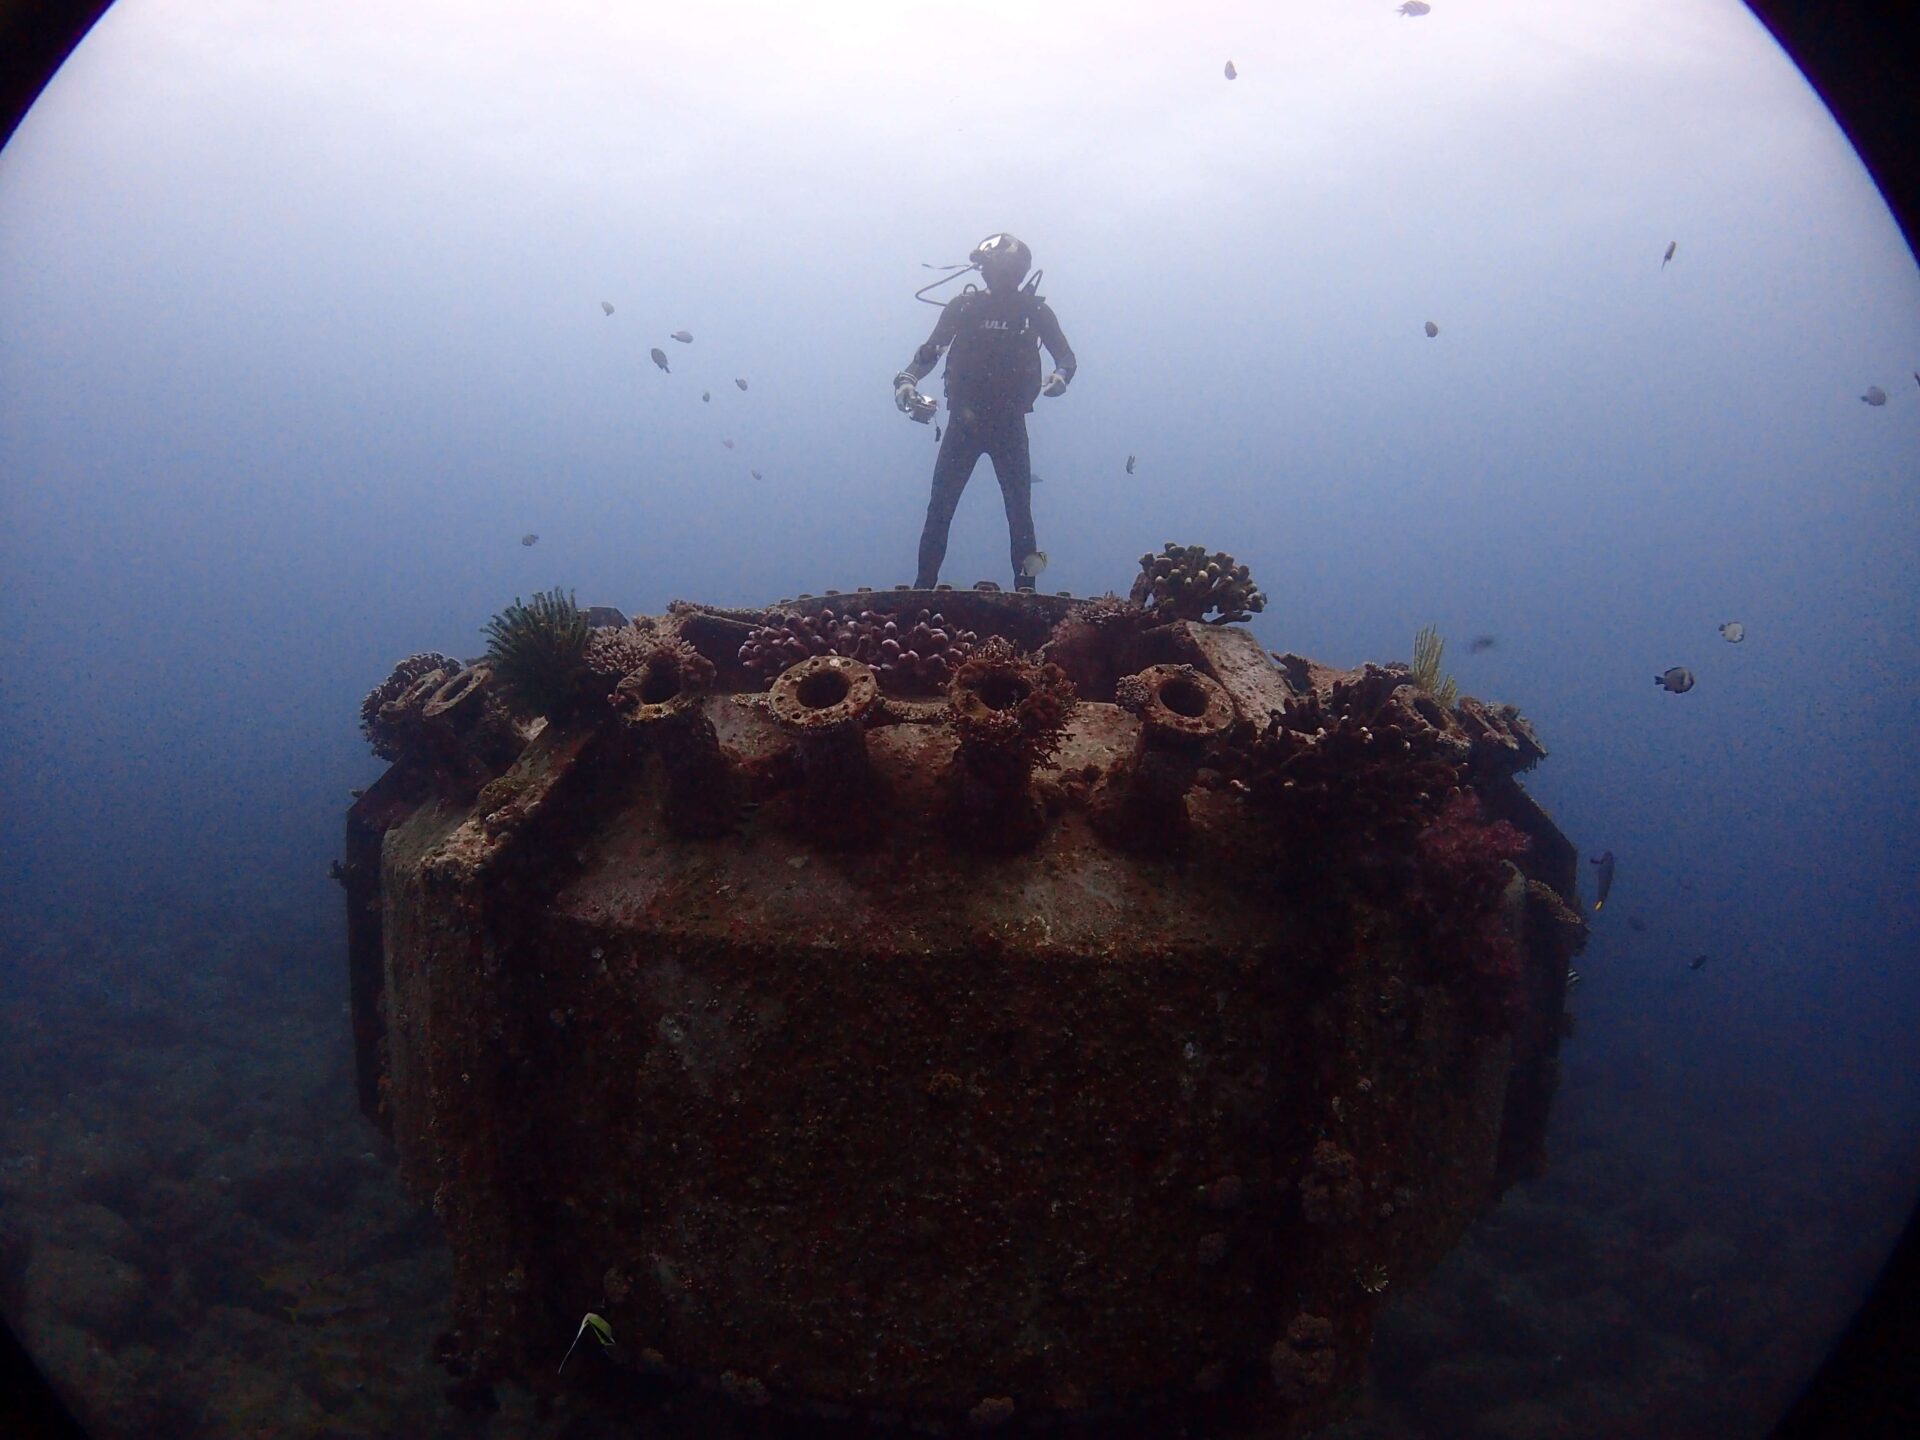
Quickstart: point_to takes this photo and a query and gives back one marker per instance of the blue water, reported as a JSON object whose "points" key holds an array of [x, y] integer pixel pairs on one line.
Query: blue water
{"points": [[303, 331]]}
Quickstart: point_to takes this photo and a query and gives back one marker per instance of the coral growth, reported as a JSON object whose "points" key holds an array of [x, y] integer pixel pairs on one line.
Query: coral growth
{"points": [[1142, 804], [1303, 1362], [917, 654], [1184, 582], [1090, 644], [1463, 878], [1353, 773], [1427, 650], [391, 715], [539, 652], [616, 650], [1008, 715], [823, 704], [662, 700]]}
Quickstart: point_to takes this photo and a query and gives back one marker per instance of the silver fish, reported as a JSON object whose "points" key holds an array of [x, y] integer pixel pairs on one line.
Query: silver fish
{"points": [[1573, 978], [756, 474], [1672, 245], [1231, 72], [685, 337], [1875, 395], [1696, 962], [607, 305], [1034, 564], [1679, 679], [705, 395], [1415, 7], [1432, 329], [529, 538], [727, 443], [659, 358], [738, 381], [1130, 464], [1734, 632]]}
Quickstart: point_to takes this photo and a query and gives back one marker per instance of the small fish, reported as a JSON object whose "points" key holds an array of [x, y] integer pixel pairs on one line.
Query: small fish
{"points": [[727, 443], [659, 358], [1130, 464], [685, 337], [1480, 644], [529, 538], [1605, 861], [1733, 632], [1916, 377], [1672, 245], [1696, 962], [607, 305], [738, 381], [1573, 978], [1415, 7], [1034, 564], [1679, 679], [705, 396], [1432, 329], [936, 434], [1875, 395], [1231, 72], [756, 474]]}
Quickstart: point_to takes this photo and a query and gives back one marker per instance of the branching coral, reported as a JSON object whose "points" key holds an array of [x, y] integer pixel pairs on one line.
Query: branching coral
{"points": [[1184, 582], [390, 716], [1427, 649], [909, 654], [616, 650], [538, 651]]}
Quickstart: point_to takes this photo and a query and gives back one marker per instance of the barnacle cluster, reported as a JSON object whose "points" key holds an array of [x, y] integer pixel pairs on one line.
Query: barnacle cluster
{"points": [[390, 716], [538, 651], [1184, 582], [917, 653]]}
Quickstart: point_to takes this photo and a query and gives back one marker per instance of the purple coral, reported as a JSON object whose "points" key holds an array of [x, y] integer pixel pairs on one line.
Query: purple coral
{"points": [[909, 654]]}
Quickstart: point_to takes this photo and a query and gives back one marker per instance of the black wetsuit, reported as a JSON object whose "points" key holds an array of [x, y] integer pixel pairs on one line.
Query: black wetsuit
{"points": [[993, 377]]}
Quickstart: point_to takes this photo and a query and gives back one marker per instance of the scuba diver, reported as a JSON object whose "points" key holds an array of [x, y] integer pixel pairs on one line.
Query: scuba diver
{"points": [[993, 375]]}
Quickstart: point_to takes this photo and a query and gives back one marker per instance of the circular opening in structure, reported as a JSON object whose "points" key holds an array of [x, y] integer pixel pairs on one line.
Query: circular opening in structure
{"points": [[822, 690], [1001, 691], [1183, 697], [660, 683]]}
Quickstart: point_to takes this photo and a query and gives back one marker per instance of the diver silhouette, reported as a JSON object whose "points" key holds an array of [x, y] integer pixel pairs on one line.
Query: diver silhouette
{"points": [[992, 379]]}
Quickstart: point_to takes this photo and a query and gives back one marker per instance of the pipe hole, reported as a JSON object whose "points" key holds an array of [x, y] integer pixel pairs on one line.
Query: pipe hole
{"points": [[821, 690], [661, 684], [1183, 697], [1001, 691]]}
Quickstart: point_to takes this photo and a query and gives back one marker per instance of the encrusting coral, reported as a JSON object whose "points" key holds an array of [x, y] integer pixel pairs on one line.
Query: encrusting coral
{"points": [[662, 700], [1184, 582], [538, 651]]}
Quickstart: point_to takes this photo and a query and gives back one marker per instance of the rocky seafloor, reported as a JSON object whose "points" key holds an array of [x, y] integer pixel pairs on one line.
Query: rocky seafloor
{"points": [[200, 1236]]}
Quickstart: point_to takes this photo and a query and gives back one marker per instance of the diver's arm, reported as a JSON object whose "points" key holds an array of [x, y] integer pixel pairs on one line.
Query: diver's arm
{"points": [[928, 355], [1050, 335]]}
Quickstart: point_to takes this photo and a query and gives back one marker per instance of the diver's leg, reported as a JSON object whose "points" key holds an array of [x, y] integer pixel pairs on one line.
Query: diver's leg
{"points": [[959, 451], [1013, 468]]}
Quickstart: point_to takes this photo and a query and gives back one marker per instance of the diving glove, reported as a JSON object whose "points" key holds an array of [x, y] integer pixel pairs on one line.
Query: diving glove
{"points": [[1056, 384]]}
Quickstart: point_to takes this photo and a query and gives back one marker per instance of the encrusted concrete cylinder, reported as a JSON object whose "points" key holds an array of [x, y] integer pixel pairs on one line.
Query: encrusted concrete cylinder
{"points": [[824, 705], [1182, 713], [1008, 715], [663, 701]]}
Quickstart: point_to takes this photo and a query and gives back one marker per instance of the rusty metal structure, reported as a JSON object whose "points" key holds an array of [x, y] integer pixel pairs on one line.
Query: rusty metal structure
{"points": [[1094, 1026]]}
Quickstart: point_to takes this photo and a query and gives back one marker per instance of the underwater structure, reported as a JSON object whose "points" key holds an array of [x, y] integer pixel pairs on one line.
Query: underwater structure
{"points": [[936, 1011]]}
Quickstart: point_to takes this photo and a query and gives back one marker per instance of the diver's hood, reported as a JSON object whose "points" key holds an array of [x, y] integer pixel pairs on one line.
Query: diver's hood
{"points": [[1002, 249]]}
